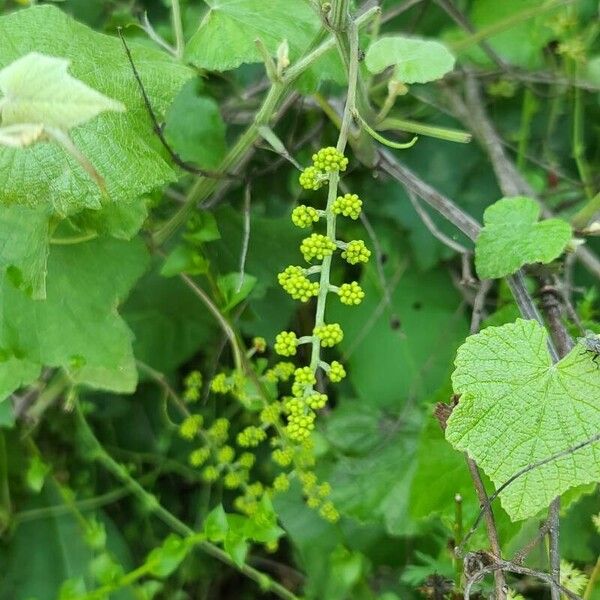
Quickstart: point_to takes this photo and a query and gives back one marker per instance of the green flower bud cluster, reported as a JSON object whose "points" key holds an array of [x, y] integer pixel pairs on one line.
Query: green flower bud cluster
{"points": [[329, 159], [283, 456], [249, 502], [325, 161], [312, 179], [191, 426], [259, 344], [295, 282], [348, 205], [329, 335], [251, 436], [351, 293], [220, 385], [304, 378], [282, 371], [269, 415], [356, 252], [304, 216], [316, 401], [235, 473], [317, 496], [286, 343], [281, 483], [301, 419], [192, 387], [336, 371], [317, 246]]}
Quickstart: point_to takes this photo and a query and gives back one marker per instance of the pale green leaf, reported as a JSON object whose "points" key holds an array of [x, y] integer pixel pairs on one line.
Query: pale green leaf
{"points": [[77, 326], [517, 408], [512, 237], [227, 35], [415, 60], [38, 89], [119, 145], [24, 237]]}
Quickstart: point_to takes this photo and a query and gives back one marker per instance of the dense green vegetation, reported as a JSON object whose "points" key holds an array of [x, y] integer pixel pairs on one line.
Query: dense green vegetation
{"points": [[299, 299]]}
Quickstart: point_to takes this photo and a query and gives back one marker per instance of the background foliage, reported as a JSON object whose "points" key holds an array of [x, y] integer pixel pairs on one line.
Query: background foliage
{"points": [[108, 298]]}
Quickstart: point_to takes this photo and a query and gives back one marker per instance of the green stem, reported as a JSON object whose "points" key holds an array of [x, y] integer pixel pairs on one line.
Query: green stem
{"points": [[5, 503], [177, 28], [579, 143], [150, 501], [441, 133], [582, 218], [133, 576], [55, 388], [204, 187], [594, 577], [339, 15], [527, 111], [382, 140], [223, 322], [334, 178]]}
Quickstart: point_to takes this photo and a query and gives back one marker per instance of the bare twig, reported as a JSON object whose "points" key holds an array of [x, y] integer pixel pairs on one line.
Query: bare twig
{"points": [[492, 530], [186, 166], [511, 567]]}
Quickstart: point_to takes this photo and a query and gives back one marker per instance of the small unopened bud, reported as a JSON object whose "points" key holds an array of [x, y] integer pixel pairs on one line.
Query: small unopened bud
{"points": [[283, 57]]}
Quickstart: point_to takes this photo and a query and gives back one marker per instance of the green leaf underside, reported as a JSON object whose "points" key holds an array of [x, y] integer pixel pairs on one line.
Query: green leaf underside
{"points": [[513, 237], [24, 238], [77, 327], [517, 408], [227, 35], [415, 60], [39, 89], [121, 146]]}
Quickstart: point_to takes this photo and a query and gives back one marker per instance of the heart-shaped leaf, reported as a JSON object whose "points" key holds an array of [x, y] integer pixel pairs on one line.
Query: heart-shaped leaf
{"points": [[416, 61], [513, 237], [517, 408]]}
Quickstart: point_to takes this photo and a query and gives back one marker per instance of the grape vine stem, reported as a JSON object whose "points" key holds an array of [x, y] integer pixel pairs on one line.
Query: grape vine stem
{"points": [[149, 500]]}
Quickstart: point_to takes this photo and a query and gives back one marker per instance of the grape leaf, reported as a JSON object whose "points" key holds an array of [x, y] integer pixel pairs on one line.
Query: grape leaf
{"points": [[38, 89], [227, 34], [76, 327], [517, 408], [415, 60], [512, 237], [24, 236], [120, 146]]}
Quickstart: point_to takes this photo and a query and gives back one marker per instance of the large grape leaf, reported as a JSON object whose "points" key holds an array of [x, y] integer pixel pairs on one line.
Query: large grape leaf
{"points": [[24, 236], [517, 408], [512, 237], [120, 146], [227, 34], [77, 326]]}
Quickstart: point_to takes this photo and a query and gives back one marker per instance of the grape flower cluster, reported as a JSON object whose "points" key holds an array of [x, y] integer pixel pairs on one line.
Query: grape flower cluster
{"points": [[300, 409], [227, 452]]}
